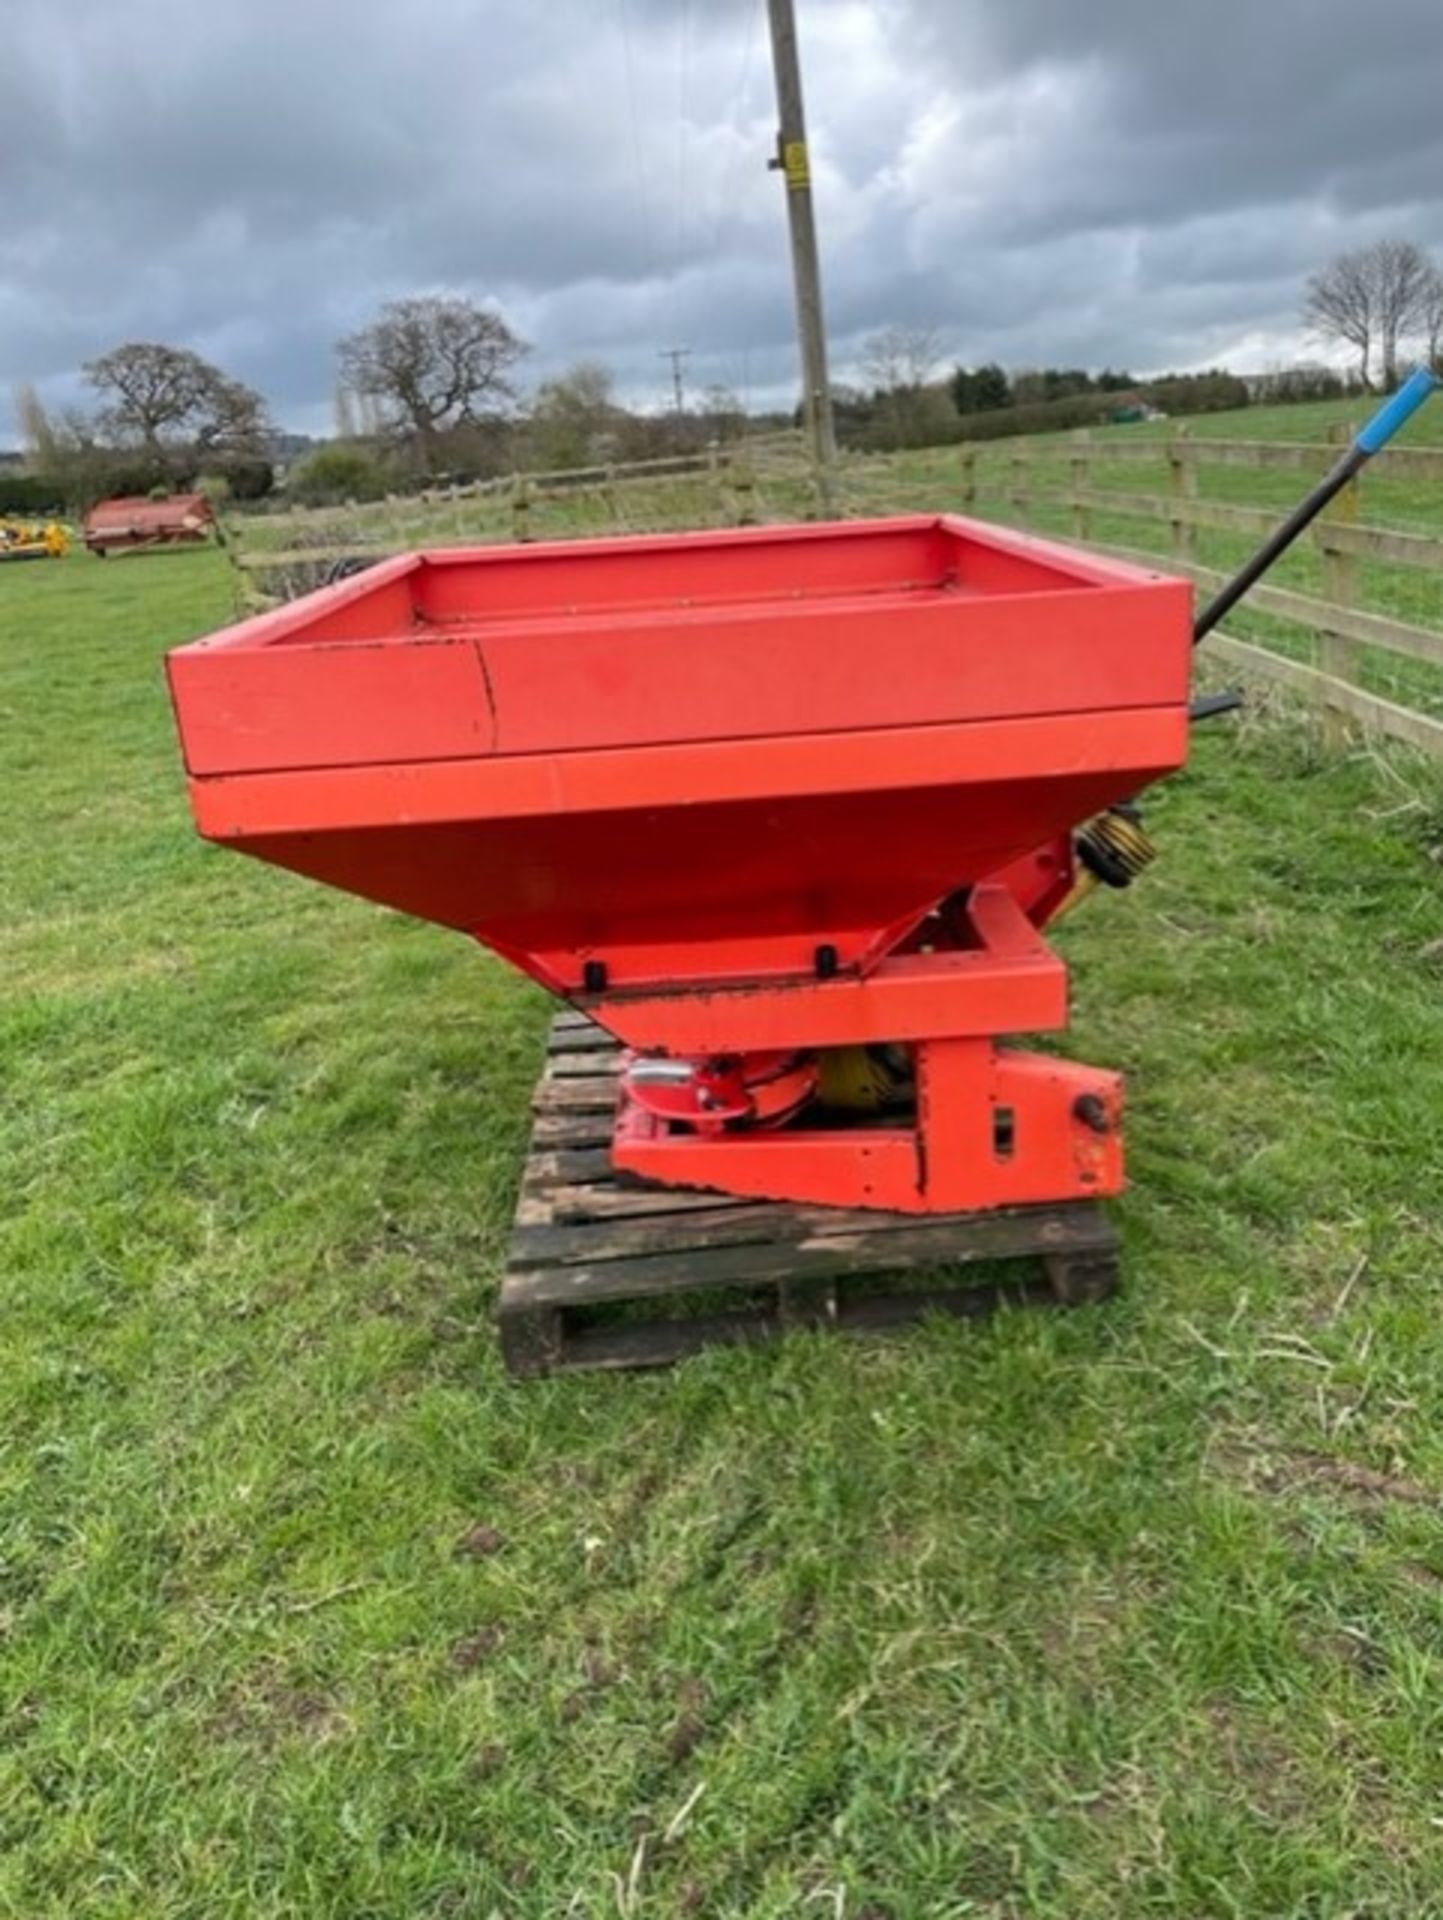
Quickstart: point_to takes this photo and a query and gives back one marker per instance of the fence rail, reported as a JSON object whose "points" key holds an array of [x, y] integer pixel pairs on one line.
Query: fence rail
{"points": [[1061, 480], [278, 554]]}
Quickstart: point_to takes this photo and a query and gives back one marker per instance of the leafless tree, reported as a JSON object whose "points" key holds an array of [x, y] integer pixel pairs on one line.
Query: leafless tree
{"points": [[1369, 297], [721, 412], [587, 389], [433, 364], [1433, 321], [148, 389], [343, 412], [230, 419], [900, 359], [1339, 306], [1402, 276], [70, 454], [573, 414], [898, 362], [37, 432], [158, 396]]}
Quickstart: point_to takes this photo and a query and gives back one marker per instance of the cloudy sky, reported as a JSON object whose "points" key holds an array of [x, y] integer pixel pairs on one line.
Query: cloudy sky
{"points": [[1134, 182]]}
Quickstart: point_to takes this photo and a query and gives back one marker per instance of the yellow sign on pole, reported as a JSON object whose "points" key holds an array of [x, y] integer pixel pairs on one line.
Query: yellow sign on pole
{"points": [[794, 165]]}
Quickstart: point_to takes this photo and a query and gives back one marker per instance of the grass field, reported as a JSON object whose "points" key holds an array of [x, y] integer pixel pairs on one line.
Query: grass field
{"points": [[305, 1611]]}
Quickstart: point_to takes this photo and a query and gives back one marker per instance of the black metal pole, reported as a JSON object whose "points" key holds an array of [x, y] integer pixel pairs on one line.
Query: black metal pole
{"points": [[1397, 409], [1276, 544]]}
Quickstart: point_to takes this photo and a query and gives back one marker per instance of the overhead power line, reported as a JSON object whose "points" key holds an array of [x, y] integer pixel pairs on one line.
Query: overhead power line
{"points": [[678, 357]]}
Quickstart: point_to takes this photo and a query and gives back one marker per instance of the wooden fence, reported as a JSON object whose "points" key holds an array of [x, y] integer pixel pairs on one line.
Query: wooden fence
{"points": [[1342, 648], [1060, 479], [279, 553]]}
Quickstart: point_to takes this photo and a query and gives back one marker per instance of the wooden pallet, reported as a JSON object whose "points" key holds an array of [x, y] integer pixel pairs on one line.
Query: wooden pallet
{"points": [[585, 1239]]}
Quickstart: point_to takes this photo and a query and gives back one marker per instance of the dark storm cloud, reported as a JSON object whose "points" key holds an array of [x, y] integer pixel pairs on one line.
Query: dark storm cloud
{"points": [[1112, 181]]}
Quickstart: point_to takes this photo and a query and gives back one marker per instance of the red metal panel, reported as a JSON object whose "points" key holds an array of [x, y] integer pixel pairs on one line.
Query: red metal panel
{"points": [[789, 563], [1013, 983], [682, 570], [1112, 748], [950, 1160], [564, 869], [882, 662], [952, 626], [330, 706]]}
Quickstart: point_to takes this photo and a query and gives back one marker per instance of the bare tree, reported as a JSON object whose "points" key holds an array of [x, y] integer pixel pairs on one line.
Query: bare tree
{"points": [[1402, 277], [1339, 306], [588, 388], [722, 413], [71, 455], [158, 396], [1371, 296], [368, 415], [899, 361], [574, 413], [343, 412], [433, 364], [37, 433], [230, 419], [1432, 321]]}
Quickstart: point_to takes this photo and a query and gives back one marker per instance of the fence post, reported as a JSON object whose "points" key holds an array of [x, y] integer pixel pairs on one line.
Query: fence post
{"points": [[969, 476], [1077, 471], [1337, 653], [716, 487], [521, 509], [744, 484], [1019, 495], [395, 524], [1182, 486]]}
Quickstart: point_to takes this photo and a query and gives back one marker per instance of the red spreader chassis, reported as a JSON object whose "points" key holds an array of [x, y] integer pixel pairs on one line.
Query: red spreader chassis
{"points": [[763, 803]]}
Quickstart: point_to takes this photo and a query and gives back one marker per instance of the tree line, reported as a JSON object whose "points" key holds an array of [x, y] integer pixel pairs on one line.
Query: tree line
{"points": [[1383, 302], [427, 389], [912, 400]]}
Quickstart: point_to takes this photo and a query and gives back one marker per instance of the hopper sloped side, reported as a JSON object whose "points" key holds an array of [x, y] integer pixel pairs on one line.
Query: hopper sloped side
{"points": [[828, 731], [665, 870]]}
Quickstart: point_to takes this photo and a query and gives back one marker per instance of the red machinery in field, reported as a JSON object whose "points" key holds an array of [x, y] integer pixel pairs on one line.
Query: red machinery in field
{"points": [[136, 521], [784, 809]]}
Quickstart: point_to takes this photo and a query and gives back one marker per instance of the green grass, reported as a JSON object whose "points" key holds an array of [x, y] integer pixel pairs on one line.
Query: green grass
{"points": [[305, 1610]]}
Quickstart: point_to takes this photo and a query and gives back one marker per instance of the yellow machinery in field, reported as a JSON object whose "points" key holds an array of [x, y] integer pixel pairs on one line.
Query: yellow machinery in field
{"points": [[33, 540]]}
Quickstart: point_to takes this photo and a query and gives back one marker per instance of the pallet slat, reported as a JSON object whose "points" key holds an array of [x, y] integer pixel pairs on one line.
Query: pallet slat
{"points": [[583, 1064], [817, 1237], [585, 1240], [736, 1253]]}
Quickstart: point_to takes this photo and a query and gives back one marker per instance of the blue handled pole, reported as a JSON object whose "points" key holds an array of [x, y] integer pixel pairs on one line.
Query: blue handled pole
{"points": [[1395, 410]]}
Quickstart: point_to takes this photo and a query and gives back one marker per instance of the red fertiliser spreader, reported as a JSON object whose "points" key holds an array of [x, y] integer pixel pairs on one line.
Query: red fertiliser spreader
{"points": [[783, 810], [784, 815]]}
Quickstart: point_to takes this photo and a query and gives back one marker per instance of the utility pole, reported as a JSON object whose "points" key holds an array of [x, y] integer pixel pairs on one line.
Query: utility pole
{"points": [[792, 162], [678, 357]]}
